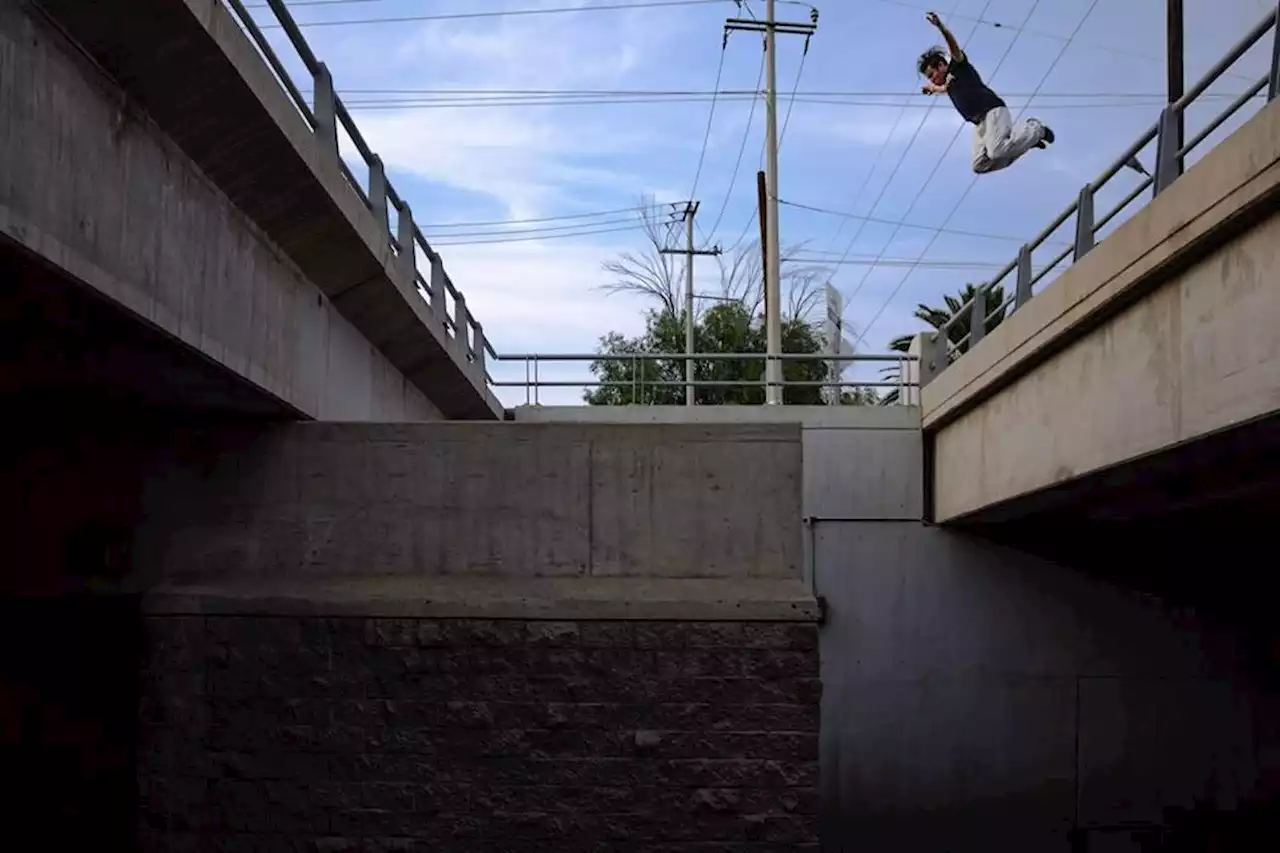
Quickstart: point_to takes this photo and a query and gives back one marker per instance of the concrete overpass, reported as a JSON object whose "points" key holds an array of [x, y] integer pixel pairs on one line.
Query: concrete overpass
{"points": [[1146, 377], [703, 631], [176, 230]]}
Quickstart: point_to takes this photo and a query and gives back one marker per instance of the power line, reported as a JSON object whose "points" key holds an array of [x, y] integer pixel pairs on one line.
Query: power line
{"points": [[737, 166], [1118, 51], [711, 115], [901, 224], [1062, 51], [536, 230], [591, 215], [750, 93], [458, 16], [914, 136], [636, 227], [388, 105]]}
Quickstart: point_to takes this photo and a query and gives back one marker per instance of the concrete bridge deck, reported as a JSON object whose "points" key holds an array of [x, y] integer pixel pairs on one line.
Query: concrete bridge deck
{"points": [[156, 168], [1162, 337]]}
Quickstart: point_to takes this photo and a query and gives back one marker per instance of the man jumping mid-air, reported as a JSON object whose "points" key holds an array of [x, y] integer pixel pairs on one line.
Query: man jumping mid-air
{"points": [[997, 141]]}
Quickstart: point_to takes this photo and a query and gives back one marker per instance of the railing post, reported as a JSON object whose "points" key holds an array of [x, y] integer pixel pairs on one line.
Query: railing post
{"points": [[461, 326], [1084, 223], [939, 356], [1023, 292], [1168, 163], [378, 193], [438, 284], [326, 109], [978, 316], [1273, 88], [404, 236], [917, 372], [477, 332]]}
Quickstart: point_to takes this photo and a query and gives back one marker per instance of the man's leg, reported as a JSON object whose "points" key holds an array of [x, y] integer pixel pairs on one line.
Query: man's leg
{"points": [[1006, 142], [981, 161]]}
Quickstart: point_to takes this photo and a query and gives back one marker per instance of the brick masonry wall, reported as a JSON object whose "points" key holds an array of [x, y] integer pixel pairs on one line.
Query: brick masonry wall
{"points": [[334, 735]]}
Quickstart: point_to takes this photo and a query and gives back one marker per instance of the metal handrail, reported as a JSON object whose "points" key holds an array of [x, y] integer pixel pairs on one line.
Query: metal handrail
{"points": [[533, 361], [326, 115], [1169, 162]]}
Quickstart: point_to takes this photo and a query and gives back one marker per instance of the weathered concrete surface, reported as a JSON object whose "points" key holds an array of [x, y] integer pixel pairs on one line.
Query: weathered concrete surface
{"points": [[186, 193], [977, 698], [325, 501], [1165, 332]]}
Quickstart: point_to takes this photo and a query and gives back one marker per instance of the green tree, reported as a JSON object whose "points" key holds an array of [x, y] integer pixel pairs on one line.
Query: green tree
{"points": [[726, 328], [955, 306], [733, 325]]}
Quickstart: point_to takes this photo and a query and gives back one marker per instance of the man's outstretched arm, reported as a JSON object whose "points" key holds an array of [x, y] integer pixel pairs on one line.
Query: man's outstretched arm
{"points": [[953, 46]]}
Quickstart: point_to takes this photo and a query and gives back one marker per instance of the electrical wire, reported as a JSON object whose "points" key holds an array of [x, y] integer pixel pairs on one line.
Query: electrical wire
{"points": [[441, 243], [1088, 12], [1118, 51], [911, 143], [388, 104], [711, 115], [737, 166], [508, 13], [747, 93], [496, 222], [902, 224], [544, 229]]}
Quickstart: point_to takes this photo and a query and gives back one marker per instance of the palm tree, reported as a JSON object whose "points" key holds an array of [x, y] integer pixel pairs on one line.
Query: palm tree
{"points": [[957, 306]]}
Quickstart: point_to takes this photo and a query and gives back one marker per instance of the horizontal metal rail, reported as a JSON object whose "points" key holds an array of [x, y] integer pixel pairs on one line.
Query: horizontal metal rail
{"points": [[696, 383], [534, 362], [1170, 159], [327, 115], [705, 356]]}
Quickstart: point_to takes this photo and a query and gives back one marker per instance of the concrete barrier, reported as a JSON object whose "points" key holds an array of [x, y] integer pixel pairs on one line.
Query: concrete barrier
{"points": [[325, 501]]}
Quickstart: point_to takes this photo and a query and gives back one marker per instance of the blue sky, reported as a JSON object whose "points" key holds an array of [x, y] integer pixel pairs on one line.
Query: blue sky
{"points": [[459, 164]]}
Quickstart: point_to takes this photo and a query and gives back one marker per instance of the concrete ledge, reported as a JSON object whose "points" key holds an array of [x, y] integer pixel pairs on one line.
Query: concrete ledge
{"points": [[504, 598], [1201, 210], [810, 417]]}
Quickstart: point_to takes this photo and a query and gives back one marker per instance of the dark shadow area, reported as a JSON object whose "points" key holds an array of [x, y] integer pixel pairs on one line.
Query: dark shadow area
{"points": [[65, 352], [96, 401], [69, 670], [1194, 530]]}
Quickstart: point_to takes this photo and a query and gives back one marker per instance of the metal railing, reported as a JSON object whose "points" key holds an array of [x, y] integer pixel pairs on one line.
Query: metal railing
{"points": [[639, 382], [327, 116], [981, 316]]}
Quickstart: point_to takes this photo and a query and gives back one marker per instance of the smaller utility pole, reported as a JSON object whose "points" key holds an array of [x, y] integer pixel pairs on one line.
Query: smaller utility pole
{"points": [[689, 254]]}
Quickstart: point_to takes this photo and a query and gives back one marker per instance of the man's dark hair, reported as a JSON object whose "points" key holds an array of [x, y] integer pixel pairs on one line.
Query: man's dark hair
{"points": [[930, 57]]}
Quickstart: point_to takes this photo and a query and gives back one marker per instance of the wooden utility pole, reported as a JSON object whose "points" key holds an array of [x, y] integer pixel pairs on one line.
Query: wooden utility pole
{"points": [[689, 253], [1176, 53], [770, 26], [762, 199]]}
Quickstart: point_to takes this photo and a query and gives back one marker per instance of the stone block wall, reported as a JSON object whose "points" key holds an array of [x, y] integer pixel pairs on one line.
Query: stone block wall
{"points": [[337, 734]]}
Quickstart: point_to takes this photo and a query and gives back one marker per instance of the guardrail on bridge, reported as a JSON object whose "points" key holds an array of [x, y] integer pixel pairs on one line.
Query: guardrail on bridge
{"points": [[978, 313], [326, 114], [904, 367]]}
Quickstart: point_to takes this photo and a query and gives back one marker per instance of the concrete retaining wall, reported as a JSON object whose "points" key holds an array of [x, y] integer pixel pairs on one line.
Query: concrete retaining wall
{"points": [[324, 501], [91, 187]]}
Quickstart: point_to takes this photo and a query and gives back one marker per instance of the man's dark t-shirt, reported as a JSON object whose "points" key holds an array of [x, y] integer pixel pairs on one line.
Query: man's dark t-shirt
{"points": [[972, 98]]}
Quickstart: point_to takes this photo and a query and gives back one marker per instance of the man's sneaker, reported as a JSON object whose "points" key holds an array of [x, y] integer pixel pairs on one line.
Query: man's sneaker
{"points": [[1047, 139]]}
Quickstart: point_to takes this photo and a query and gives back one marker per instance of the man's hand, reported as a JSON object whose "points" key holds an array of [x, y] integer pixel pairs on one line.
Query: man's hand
{"points": [[933, 18]]}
